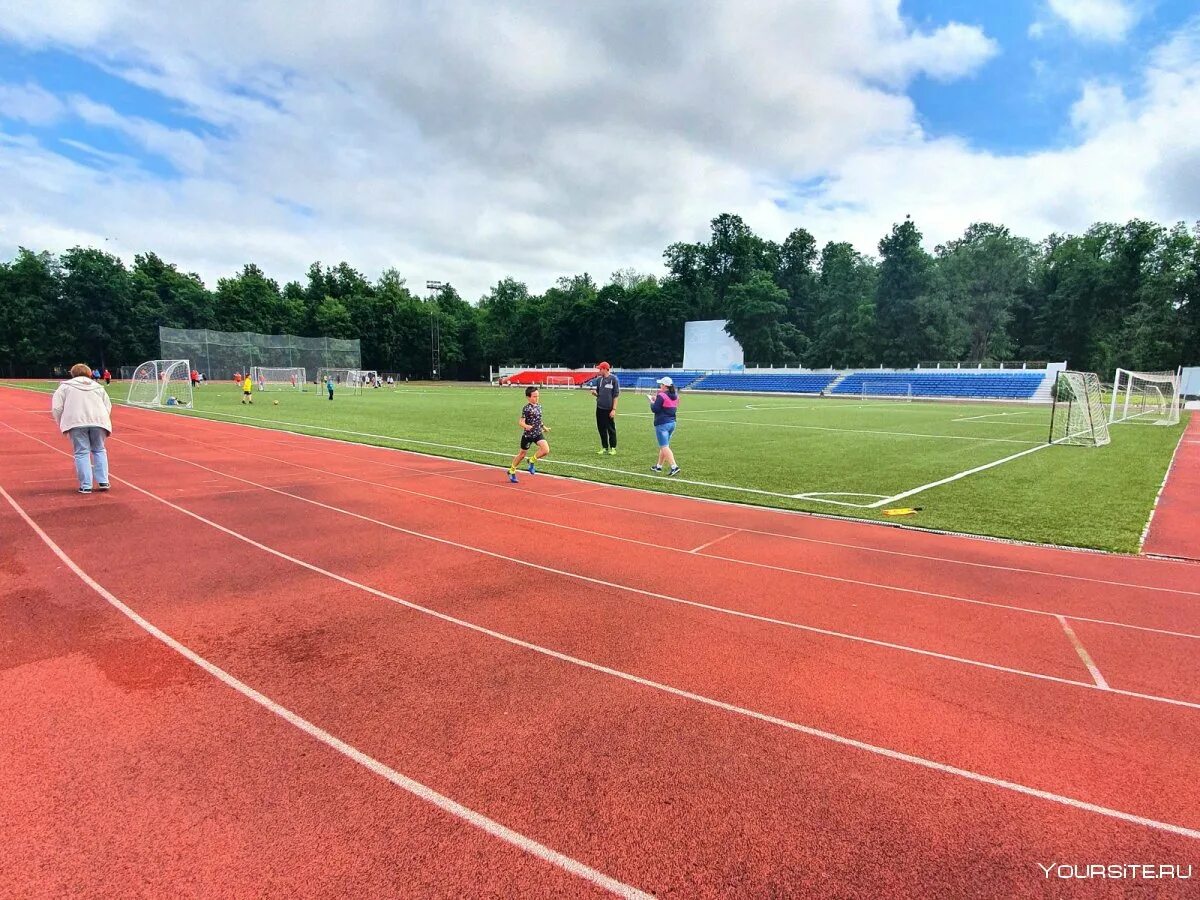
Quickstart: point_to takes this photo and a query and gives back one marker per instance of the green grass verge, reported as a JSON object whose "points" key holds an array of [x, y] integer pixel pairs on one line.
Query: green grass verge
{"points": [[764, 450]]}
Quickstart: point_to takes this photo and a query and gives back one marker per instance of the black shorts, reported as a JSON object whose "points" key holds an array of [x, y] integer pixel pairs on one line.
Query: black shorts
{"points": [[245, 393], [528, 439]]}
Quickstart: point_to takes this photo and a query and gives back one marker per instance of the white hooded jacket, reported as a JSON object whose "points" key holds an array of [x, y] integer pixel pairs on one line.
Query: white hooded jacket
{"points": [[81, 403]]}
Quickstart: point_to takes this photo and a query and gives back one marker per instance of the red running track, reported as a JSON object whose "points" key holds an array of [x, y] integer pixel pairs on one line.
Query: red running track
{"points": [[801, 706], [1175, 526]]}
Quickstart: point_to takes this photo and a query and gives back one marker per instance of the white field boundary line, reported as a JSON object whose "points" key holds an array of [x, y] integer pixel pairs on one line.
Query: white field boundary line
{"points": [[1162, 487], [810, 731], [957, 477], [1083, 654], [791, 537], [720, 610], [1026, 424], [416, 788], [899, 526], [650, 545], [914, 434]]}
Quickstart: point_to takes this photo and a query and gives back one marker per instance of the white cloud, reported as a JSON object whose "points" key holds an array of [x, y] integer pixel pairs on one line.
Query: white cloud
{"points": [[1108, 21], [29, 103], [466, 141]]}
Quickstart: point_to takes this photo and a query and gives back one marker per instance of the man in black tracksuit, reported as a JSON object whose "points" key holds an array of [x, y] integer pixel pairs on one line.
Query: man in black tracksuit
{"points": [[606, 392]]}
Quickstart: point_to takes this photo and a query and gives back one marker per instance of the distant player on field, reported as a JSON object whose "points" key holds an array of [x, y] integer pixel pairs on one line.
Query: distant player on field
{"points": [[329, 385], [532, 434], [248, 390]]}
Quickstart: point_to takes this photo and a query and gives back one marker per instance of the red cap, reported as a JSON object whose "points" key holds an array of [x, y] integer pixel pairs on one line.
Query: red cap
{"points": [[603, 365]]}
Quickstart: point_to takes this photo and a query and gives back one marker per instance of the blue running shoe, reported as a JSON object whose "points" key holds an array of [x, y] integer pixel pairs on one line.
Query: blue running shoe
{"points": [[674, 470], [532, 470], [512, 476]]}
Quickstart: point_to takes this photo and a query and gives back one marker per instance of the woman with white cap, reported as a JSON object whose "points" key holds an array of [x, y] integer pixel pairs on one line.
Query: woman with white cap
{"points": [[664, 405]]}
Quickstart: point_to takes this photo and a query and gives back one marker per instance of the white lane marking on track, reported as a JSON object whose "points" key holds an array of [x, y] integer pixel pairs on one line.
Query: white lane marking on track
{"points": [[715, 540], [886, 752], [1083, 654], [441, 801], [721, 610], [744, 562]]}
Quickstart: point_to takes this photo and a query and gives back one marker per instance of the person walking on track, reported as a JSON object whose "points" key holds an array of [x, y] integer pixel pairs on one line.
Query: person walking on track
{"points": [[606, 392], [81, 409]]}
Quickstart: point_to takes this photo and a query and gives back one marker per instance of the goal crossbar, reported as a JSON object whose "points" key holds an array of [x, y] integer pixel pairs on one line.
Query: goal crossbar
{"points": [[886, 390], [1145, 397]]}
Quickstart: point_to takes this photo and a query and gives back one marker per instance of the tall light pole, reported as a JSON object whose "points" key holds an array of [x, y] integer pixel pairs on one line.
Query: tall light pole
{"points": [[435, 330]]}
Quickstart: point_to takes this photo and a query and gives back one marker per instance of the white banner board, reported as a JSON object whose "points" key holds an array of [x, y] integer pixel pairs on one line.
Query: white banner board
{"points": [[707, 346]]}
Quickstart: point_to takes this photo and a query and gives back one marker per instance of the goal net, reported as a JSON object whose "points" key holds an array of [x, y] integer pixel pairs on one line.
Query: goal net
{"points": [[1077, 416], [887, 390], [1149, 398], [287, 378], [645, 386], [560, 381], [161, 382], [343, 379]]}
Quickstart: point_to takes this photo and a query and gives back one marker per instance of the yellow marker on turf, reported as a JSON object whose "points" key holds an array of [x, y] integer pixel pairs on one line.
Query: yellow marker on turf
{"points": [[903, 511]]}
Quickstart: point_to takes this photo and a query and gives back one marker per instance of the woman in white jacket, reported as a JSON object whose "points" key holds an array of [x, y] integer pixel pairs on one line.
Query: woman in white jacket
{"points": [[81, 409]]}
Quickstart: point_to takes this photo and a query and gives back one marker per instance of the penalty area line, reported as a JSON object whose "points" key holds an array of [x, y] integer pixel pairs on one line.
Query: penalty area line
{"points": [[956, 477]]}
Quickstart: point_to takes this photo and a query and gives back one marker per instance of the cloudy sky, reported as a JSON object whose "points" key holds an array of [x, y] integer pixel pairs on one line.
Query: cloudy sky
{"points": [[466, 141]]}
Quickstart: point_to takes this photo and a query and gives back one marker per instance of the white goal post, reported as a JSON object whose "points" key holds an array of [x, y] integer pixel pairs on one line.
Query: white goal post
{"points": [[886, 390], [561, 381], [161, 382], [645, 386], [1150, 398], [1077, 416], [343, 380], [278, 378]]}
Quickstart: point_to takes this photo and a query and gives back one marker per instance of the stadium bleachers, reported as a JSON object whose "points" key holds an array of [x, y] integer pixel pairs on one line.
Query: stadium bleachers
{"points": [[1015, 385], [783, 383], [682, 377]]}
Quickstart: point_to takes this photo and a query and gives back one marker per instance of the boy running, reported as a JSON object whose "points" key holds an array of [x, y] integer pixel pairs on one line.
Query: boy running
{"points": [[532, 428], [248, 390]]}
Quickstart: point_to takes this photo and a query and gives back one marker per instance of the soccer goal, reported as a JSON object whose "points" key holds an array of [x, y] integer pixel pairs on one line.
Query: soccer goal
{"points": [[161, 382], [1148, 398], [645, 386], [887, 390], [1077, 416], [288, 378], [561, 381], [343, 379]]}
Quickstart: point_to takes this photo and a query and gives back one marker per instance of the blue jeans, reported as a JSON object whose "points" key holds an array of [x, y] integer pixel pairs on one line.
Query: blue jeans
{"points": [[89, 452], [663, 432]]}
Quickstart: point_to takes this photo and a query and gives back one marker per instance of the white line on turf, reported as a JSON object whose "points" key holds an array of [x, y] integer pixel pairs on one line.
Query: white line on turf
{"points": [[666, 548], [720, 610], [1154, 508], [925, 487], [886, 752], [866, 523], [429, 795], [912, 434], [1083, 654]]}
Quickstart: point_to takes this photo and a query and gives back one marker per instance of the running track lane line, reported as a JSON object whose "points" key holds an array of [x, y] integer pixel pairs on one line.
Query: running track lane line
{"points": [[221, 419], [696, 551], [419, 790], [667, 597], [1070, 802], [721, 610], [1083, 654]]}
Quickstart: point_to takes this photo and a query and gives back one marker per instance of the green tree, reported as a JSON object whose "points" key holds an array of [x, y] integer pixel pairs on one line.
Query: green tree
{"points": [[844, 331], [906, 277], [29, 294]]}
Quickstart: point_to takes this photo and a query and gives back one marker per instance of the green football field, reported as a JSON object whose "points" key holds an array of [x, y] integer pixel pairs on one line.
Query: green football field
{"points": [[841, 457]]}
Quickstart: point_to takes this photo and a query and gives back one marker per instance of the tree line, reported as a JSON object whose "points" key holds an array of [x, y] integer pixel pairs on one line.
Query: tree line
{"points": [[1125, 295]]}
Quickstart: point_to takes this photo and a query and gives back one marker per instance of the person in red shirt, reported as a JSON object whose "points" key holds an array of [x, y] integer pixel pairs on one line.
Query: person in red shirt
{"points": [[107, 377], [195, 378]]}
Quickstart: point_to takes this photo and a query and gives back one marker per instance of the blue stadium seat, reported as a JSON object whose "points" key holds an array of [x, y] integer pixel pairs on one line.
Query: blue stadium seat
{"points": [[1015, 385]]}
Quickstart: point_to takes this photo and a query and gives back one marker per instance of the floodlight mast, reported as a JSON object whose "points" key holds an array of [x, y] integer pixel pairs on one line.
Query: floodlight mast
{"points": [[435, 330]]}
